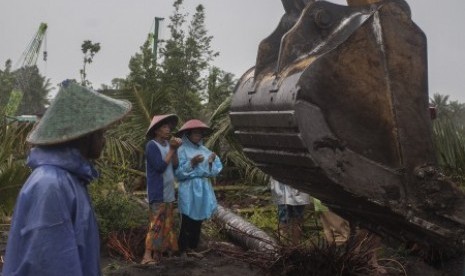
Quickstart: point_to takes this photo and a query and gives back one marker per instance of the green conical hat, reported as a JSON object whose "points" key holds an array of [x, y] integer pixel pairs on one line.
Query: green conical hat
{"points": [[75, 112]]}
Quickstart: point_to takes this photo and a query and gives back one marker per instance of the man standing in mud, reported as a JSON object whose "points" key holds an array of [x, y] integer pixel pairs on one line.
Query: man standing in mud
{"points": [[54, 230]]}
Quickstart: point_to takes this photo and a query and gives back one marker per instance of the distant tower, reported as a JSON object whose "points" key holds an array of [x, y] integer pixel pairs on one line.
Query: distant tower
{"points": [[155, 38]]}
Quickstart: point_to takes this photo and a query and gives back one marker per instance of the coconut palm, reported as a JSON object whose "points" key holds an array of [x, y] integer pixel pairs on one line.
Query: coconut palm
{"points": [[124, 150], [441, 102]]}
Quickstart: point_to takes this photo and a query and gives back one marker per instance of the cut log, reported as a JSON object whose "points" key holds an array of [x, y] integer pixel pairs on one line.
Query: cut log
{"points": [[244, 232]]}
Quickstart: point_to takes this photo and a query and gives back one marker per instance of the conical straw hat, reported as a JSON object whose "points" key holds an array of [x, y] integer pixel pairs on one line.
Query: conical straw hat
{"points": [[194, 124], [171, 119], [75, 112]]}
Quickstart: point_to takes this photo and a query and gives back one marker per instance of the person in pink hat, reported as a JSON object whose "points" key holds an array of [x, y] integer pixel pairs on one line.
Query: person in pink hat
{"points": [[161, 161], [196, 198]]}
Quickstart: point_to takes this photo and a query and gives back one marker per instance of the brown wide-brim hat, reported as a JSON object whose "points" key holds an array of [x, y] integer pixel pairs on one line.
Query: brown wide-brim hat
{"points": [[75, 112], [159, 120], [194, 124]]}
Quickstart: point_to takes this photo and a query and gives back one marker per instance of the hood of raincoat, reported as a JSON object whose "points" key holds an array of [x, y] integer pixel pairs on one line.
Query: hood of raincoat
{"points": [[67, 158], [187, 142], [54, 230]]}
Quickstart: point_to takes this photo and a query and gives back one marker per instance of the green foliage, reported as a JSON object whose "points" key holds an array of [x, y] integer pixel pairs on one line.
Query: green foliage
{"points": [[89, 50], [23, 91], [440, 102], [143, 71], [449, 140], [213, 231], [116, 210], [15, 100], [174, 86], [7, 83], [356, 257], [34, 88], [448, 110], [186, 58], [448, 134], [13, 169], [198, 52], [219, 87], [265, 219], [115, 207]]}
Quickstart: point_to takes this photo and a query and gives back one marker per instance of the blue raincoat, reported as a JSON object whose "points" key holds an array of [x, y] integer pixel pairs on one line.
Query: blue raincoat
{"points": [[54, 230], [196, 197]]}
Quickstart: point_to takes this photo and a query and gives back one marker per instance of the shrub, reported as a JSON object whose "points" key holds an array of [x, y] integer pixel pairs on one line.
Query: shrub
{"points": [[116, 211]]}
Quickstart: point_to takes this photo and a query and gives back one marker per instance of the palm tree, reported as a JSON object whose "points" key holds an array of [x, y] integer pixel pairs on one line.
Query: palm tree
{"points": [[123, 155], [457, 112], [441, 103]]}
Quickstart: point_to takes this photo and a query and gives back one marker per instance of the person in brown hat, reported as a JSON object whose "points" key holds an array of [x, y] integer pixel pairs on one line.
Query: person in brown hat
{"points": [[161, 160], [196, 198], [54, 230]]}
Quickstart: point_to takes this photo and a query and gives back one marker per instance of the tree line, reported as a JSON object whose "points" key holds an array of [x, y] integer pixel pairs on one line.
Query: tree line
{"points": [[182, 81]]}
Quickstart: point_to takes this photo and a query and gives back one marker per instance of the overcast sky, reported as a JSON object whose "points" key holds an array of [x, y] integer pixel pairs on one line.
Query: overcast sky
{"points": [[121, 27]]}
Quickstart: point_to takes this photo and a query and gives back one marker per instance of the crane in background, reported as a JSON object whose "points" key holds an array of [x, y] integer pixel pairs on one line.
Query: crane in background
{"points": [[22, 67], [31, 53]]}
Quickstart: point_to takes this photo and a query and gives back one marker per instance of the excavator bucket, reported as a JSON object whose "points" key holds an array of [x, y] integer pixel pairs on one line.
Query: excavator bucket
{"points": [[337, 106]]}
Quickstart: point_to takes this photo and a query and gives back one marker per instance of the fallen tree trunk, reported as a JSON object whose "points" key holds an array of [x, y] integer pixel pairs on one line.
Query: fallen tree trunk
{"points": [[243, 232]]}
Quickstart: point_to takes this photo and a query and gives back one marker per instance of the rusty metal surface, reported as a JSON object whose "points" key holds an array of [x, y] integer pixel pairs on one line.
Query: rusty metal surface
{"points": [[337, 106]]}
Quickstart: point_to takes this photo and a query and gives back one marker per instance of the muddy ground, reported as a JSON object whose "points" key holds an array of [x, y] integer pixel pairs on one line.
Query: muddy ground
{"points": [[212, 264], [216, 262]]}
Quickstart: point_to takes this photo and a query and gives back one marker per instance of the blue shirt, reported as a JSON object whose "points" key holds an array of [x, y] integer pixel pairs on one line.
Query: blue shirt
{"points": [[196, 197], [160, 176], [54, 230]]}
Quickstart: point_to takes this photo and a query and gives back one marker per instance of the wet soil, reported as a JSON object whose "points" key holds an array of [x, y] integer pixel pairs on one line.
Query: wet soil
{"points": [[212, 264], [217, 263]]}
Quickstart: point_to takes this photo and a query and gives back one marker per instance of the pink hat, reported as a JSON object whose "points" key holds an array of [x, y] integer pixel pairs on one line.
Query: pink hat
{"points": [[194, 124], [157, 121]]}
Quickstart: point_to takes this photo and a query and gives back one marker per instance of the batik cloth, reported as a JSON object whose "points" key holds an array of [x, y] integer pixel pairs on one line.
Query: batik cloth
{"points": [[161, 235]]}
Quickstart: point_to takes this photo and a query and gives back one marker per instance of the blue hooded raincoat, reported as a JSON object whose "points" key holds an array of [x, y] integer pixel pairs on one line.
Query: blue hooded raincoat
{"points": [[54, 230], [196, 198]]}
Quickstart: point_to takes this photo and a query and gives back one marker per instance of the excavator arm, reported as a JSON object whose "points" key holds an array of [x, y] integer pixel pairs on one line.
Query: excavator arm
{"points": [[337, 106]]}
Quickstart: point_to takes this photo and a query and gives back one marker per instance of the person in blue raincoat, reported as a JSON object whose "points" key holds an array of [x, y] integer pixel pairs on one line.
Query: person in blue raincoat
{"points": [[196, 198], [54, 230]]}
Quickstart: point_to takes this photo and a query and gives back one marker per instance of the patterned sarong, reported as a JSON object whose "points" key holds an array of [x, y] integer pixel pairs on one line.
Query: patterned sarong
{"points": [[161, 236]]}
